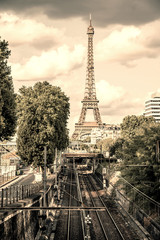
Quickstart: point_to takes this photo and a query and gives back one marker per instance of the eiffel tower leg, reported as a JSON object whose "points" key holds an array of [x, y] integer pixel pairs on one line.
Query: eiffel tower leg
{"points": [[97, 116], [82, 116], [77, 131]]}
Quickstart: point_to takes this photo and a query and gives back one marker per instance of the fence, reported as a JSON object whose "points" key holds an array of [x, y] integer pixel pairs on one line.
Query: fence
{"points": [[15, 193], [139, 205], [7, 176], [139, 200]]}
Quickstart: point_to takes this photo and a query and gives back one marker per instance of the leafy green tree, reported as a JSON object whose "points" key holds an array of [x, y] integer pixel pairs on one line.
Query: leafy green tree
{"points": [[133, 123], [132, 128], [117, 148], [137, 149], [84, 147], [43, 111], [104, 144], [7, 96]]}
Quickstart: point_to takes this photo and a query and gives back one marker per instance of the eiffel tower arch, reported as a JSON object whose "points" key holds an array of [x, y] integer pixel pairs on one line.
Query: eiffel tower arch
{"points": [[83, 128]]}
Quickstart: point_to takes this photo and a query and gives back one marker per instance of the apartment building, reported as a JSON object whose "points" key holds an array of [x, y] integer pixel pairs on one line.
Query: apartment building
{"points": [[152, 107]]}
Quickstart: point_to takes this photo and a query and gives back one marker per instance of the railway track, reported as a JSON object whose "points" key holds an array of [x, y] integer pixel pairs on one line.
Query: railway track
{"points": [[70, 225], [84, 190], [107, 227], [103, 224]]}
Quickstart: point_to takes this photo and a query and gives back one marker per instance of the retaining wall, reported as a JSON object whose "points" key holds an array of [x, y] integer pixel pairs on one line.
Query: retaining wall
{"points": [[20, 225], [23, 225]]}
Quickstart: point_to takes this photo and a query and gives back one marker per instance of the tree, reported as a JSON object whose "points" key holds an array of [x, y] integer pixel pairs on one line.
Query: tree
{"points": [[137, 149], [132, 130], [43, 111], [104, 144], [117, 148], [133, 123], [7, 96]]}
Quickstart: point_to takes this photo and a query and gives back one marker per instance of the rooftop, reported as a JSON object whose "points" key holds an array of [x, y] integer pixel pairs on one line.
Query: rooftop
{"points": [[156, 95]]}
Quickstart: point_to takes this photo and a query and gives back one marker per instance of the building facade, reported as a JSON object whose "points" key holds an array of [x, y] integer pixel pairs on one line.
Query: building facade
{"points": [[152, 107], [108, 131]]}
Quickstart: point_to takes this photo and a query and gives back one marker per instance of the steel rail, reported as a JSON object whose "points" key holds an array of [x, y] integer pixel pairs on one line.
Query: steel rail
{"points": [[82, 213], [128, 215], [80, 208], [98, 216], [73, 173], [118, 230]]}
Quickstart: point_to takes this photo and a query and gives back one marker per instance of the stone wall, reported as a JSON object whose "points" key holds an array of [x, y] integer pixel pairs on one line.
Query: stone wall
{"points": [[23, 225], [20, 225]]}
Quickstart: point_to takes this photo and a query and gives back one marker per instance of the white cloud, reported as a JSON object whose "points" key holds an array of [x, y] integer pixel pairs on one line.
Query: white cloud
{"points": [[119, 44], [130, 43], [49, 64], [38, 49], [107, 93], [20, 31], [115, 101]]}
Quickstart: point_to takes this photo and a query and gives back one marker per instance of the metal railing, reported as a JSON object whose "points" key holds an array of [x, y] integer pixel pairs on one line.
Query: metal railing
{"points": [[7, 176], [13, 194]]}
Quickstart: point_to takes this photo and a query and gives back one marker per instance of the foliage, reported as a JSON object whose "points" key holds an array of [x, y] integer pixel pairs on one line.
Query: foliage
{"points": [[84, 147], [104, 144], [137, 149], [116, 148], [43, 111], [133, 123], [7, 96]]}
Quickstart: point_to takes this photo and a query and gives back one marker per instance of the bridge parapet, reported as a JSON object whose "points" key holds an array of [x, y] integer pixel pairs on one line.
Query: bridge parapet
{"points": [[80, 155]]}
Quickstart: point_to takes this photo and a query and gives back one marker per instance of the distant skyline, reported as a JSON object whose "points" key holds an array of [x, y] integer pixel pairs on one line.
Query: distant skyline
{"points": [[48, 41]]}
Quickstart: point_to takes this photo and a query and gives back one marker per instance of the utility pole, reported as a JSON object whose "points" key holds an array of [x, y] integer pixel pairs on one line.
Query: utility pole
{"points": [[157, 150], [101, 153], [55, 169], [60, 158], [73, 163], [94, 163], [45, 177]]}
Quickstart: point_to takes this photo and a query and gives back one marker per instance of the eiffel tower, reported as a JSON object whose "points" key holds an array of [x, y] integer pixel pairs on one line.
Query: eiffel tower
{"points": [[83, 128]]}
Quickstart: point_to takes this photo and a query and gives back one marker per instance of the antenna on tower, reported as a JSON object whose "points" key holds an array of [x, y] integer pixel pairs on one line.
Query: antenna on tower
{"points": [[90, 17]]}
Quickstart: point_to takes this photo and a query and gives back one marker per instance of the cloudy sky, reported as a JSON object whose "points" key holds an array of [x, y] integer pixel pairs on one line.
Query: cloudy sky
{"points": [[48, 41]]}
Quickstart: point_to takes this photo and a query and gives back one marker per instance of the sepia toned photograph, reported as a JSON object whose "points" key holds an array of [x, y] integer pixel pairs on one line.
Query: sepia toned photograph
{"points": [[79, 120]]}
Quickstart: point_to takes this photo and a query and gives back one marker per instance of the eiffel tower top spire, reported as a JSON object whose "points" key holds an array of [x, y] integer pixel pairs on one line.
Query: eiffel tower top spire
{"points": [[90, 20], [90, 90]]}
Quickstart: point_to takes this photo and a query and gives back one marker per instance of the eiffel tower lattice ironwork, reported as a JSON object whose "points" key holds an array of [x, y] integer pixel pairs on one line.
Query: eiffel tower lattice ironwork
{"points": [[90, 100]]}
